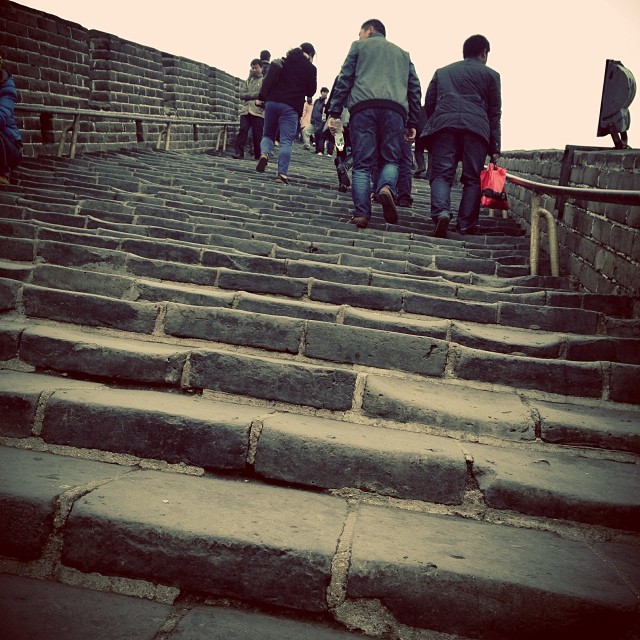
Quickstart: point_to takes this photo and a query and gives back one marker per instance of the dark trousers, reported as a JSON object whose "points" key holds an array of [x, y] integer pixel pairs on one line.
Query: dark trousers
{"points": [[256, 124], [447, 149], [321, 135], [10, 154]]}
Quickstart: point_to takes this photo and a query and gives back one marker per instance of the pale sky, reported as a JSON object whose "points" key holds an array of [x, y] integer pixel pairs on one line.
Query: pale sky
{"points": [[550, 54]]}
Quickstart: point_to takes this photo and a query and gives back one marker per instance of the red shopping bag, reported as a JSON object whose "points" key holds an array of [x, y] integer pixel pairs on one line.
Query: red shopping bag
{"points": [[492, 181]]}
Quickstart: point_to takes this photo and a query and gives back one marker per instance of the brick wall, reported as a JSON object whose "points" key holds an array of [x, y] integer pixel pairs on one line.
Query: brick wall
{"points": [[599, 243], [60, 63]]}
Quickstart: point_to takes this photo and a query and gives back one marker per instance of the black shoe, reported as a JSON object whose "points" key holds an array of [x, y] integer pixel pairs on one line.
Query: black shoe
{"points": [[343, 178], [441, 227], [389, 211], [238, 156], [471, 231], [282, 178], [262, 164], [405, 201]]}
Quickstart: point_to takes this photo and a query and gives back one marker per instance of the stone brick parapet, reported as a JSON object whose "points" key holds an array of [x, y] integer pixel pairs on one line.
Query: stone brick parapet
{"points": [[599, 243], [58, 63]]}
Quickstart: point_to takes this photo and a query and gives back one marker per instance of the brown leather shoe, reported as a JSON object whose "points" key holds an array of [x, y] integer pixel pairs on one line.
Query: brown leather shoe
{"points": [[360, 221], [389, 211]]}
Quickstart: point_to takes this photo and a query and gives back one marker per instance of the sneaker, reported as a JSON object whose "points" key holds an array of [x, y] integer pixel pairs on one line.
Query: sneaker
{"points": [[389, 211], [262, 163], [360, 221], [441, 226], [282, 178]]}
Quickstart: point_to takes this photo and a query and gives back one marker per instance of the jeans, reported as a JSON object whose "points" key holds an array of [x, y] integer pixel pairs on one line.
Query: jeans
{"points": [[405, 170], [449, 147], [376, 136], [255, 123], [279, 118]]}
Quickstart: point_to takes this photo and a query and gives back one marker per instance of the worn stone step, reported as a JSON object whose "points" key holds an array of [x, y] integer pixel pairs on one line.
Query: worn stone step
{"points": [[336, 343], [311, 553], [326, 453]]}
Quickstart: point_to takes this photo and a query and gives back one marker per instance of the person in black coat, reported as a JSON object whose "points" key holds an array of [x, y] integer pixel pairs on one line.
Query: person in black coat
{"points": [[463, 106], [284, 92]]}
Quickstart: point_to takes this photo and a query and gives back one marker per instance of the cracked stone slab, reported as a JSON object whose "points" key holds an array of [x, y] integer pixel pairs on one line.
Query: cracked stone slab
{"points": [[559, 485], [221, 537], [485, 580], [30, 483], [473, 412], [19, 396]]}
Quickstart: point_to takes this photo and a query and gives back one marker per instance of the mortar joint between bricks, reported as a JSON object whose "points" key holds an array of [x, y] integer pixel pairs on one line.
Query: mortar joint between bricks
{"points": [[38, 419], [159, 326], [606, 380]]}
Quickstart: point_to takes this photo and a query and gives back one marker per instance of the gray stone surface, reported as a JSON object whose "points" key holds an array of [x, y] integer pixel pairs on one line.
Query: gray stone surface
{"points": [[375, 348], [562, 485], [39, 610], [90, 310], [509, 583], [235, 327], [164, 426], [605, 427], [271, 379], [226, 624], [582, 379], [30, 483], [214, 536], [333, 454], [470, 412], [75, 351]]}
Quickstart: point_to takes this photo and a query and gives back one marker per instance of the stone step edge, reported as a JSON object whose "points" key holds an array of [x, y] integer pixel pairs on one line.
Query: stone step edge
{"points": [[319, 452], [343, 551], [322, 343], [551, 345]]}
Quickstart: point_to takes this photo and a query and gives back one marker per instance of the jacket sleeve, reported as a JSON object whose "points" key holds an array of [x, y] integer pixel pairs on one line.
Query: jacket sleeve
{"points": [[344, 82], [494, 113], [431, 97], [414, 95], [7, 104], [273, 75]]}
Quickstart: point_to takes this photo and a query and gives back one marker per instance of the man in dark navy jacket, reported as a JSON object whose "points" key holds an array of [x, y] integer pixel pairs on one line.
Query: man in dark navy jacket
{"points": [[463, 106]]}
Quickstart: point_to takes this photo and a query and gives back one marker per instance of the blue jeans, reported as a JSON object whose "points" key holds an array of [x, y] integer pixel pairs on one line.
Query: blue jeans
{"points": [[405, 170], [282, 117], [376, 136], [448, 147]]}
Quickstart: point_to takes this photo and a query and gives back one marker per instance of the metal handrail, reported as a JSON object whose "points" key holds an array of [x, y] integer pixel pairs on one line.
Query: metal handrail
{"points": [[164, 133], [614, 196]]}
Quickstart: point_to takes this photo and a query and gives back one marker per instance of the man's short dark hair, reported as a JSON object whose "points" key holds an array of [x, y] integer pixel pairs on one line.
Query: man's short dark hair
{"points": [[265, 55], [256, 61], [475, 46], [324, 89], [377, 26]]}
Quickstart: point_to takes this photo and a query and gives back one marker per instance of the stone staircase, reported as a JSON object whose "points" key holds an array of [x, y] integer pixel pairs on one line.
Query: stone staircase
{"points": [[213, 385]]}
